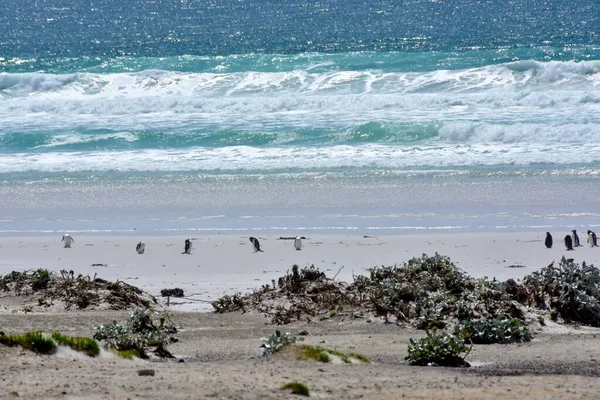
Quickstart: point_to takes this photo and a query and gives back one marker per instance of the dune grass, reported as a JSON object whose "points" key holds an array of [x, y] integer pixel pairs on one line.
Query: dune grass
{"points": [[297, 388], [360, 357], [322, 354], [313, 353], [129, 354], [85, 345], [38, 342], [47, 343]]}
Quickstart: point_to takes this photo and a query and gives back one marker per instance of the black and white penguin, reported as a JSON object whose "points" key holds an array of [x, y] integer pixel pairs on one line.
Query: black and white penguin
{"points": [[68, 240], [548, 241], [188, 247], [298, 243], [575, 238], [569, 242], [592, 240], [141, 246], [256, 244]]}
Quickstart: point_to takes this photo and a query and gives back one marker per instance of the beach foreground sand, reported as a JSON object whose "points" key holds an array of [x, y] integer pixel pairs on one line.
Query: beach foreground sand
{"points": [[220, 361], [221, 264], [217, 354]]}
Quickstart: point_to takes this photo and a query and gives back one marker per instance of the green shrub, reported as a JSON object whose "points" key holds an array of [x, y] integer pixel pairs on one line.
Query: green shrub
{"points": [[568, 290], [438, 349], [431, 316], [146, 327], [278, 341], [427, 290], [498, 330]]}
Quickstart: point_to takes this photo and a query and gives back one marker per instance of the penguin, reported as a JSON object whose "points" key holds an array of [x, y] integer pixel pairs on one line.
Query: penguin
{"points": [[68, 240], [592, 240], [141, 246], [569, 242], [298, 243], [256, 244], [188, 247], [575, 238], [548, 241]]}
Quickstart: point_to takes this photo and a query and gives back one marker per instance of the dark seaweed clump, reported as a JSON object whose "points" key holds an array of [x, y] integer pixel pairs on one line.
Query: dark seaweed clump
{"points": [[79, 292], [427, 292]]}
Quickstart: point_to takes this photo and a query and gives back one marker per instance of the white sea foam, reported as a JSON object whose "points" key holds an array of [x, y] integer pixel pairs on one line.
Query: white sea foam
{"points": [[273, 159], [76, 138], [477, 116], [551, 94], [534, 74]]}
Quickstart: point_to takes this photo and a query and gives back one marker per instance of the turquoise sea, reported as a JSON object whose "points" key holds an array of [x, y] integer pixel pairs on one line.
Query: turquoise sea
{"points": [[240, 115]]}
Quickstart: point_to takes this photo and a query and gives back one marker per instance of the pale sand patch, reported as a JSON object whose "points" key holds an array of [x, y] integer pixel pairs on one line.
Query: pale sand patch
{"points": [[220, 362], [222, 264]]}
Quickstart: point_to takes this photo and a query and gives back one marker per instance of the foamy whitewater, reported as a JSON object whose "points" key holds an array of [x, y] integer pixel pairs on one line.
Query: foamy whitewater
{"points": [[336, 115]]}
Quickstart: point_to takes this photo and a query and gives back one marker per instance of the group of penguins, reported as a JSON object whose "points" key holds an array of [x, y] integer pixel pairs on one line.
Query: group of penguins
{"points": [[187, 249], [572, 240]]}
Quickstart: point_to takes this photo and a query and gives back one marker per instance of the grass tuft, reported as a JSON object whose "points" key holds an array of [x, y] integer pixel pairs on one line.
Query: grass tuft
{"points": [[88, 346], [313, 353], [34, 341], [360, 357], [322, 354], [46, 343], [297, 388], [129, 354]]}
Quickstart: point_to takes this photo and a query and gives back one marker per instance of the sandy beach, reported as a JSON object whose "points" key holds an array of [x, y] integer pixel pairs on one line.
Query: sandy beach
{"points": [[217, 355], [225, 264]]}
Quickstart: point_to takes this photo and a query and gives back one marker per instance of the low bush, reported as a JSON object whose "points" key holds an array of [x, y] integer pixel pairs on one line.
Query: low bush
{"points": [[497, 330], [278, 341], [435, 348], [81, 291], [145, 328], [229, 303], [568, 290]]}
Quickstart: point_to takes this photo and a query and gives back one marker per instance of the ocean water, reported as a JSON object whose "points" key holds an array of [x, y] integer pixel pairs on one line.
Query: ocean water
{"points": [[259, 115]]}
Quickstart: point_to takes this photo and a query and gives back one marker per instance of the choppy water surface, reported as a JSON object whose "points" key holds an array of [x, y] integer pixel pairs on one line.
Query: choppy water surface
{"points": [[353, 106]]}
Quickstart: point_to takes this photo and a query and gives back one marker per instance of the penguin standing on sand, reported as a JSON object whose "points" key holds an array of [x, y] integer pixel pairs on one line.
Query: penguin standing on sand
{"points": [[298, 243], [569, 242], [141, 246], [68, 240], [188, 247], [575, 238], [592, 240], [548, 241], [256, 244]]}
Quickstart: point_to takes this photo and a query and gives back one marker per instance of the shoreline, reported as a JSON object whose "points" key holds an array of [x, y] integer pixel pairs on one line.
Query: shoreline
{"points": [[226, 263]]}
